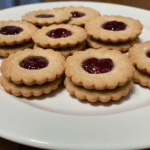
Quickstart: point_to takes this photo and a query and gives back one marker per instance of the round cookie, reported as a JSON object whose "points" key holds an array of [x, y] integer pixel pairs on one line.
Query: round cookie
{"points": [[56, 36], [99, 69], [15, 32], [33, 66], [121, 46], [80, 15], [139, 54], [5, 51], [27, 91], [46, 17], [95, 95], [113, 28]]}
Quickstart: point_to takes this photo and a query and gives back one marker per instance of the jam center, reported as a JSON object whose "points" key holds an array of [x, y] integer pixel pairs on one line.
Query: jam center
{"points": [[45, 16], [34, 63], [76, 14], [97, 66], [10, 30], [59, 33], [114, 26], [148, 54]]}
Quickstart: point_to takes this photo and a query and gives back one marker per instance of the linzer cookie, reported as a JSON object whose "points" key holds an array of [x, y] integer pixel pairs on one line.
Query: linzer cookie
{"points": [[47, 17], [15, 32], [139, 54], [27, 91], [56, 36], [33, 66], [99, 69], [120, 46], [113, 28], [80, 15], [98, 95], [67, 51]]}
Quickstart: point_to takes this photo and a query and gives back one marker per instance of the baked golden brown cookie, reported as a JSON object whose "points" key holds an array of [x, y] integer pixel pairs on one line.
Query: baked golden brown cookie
{"points": [[33, 66], [99, 69], [15, 32], [56, 36], [46, 17], [114, 28]]}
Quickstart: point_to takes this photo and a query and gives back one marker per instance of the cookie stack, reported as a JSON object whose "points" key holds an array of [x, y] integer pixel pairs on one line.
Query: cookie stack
{"points": [[113, 32], [64, 38], [98, 75], [32, 72], [139, 55], [15, 36]]}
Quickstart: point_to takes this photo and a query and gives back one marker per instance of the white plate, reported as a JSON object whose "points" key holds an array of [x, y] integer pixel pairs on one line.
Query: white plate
{"points": [[61, 121]]}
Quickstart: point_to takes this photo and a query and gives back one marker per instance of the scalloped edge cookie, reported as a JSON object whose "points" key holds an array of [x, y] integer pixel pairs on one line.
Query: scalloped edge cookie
{"points": [[67, 51], [94, 29], [27, 91], [98, 95], [137, 55], [5, 51], [78, 36], [142, 78], [118, 76], [89, 14], [24, 36], [60, 16], [12, 71], [121, 46]]}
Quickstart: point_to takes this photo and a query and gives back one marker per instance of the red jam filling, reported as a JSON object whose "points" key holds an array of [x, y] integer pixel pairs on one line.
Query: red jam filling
{"points": [[45, 16], [97, 66], [76, 14], [10, 30], [114, 26], [59, 33], [148, 54], [34, 63]]}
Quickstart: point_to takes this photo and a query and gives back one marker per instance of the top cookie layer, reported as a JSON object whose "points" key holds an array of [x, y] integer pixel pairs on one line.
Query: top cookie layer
{"points": [[12, 68], [119, 75], [15, 32], [74, 35], [139, 54], [84, 14], [130, 30], [46, 17]]}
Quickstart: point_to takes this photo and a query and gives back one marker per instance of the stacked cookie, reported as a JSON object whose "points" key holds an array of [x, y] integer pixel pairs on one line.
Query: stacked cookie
{"points": [[15, 36], [113, 32], [139, 55], [98, 74], [32, 72], [63, 38]]}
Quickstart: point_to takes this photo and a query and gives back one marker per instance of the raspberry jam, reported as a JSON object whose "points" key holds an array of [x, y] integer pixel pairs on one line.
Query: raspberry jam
{"points": [[97, 66], [10, 30], [45, 16], [34, 63], [148, 54], [114, 26], [59, 33], [76, 14]]}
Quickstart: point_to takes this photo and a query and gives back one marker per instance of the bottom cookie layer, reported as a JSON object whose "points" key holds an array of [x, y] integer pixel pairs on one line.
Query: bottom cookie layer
{"points": [[142, 78], [67, 51], [95, 95], [121, 46], [5, 51], [27, 91]]}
